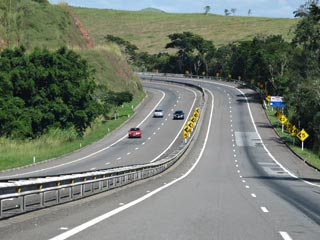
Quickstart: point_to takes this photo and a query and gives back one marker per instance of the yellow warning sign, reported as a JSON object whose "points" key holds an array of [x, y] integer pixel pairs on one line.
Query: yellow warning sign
{"points": [[302, 135]]}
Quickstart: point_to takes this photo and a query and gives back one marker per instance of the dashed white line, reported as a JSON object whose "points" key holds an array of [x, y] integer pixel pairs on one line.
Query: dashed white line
{"points": [[247, 187], [107, 163], [128, 153], [64, 228], [93, 168], [285, 236], [136, 148], [264, 209], [119, 158], [243, 181], [253, 195]]}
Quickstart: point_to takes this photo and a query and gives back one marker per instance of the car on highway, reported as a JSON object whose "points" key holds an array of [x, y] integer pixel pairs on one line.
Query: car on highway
{"points": [[158, 113], [134, 133], [179, 114]]}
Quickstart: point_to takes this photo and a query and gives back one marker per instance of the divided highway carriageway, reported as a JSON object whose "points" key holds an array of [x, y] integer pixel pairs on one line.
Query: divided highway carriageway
{"points": [[236, 180]]}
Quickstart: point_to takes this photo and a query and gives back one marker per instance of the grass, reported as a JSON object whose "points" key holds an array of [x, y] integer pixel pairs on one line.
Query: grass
{"points": [[293, 142], [149, 30], [57, 143]]}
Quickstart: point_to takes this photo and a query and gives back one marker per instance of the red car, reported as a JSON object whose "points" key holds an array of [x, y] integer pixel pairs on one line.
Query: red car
{"points": [[134, 133]]}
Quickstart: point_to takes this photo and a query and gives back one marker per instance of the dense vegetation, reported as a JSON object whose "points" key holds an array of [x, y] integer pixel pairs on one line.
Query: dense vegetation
{"points": [[41, 122], [278, 67]]}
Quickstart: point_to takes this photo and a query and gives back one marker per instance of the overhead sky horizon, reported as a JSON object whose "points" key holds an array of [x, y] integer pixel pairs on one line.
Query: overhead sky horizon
{"points": [[257, 8]]}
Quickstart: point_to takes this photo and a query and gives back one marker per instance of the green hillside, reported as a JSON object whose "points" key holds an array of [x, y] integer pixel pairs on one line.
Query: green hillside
{"points": [[149, 30], [33, 24]]}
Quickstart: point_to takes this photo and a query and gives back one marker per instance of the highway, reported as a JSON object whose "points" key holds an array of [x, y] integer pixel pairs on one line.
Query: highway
{"points": [[238, 181], [159, 135]]}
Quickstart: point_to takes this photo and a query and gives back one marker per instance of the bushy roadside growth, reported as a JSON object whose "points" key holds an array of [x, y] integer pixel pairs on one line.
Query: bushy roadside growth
{"points": [[278, 67], [57, 142]]}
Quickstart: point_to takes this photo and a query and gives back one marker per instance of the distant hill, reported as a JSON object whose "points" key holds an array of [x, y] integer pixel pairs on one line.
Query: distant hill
{"points": [[152, 10], [149, 30]]}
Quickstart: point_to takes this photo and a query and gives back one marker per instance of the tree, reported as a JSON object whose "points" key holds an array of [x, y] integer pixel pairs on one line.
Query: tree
{"points": [[226, 12], [45, 90], [207, 10], [233, 10], [249, 12], [193, 51]]}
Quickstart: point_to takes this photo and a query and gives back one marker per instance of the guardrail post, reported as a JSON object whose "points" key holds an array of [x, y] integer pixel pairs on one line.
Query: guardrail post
{"points": [[23, 204], [41, 199]]}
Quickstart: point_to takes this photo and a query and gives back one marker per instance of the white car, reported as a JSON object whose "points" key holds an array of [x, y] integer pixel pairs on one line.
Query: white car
{"points": [[158, 113]]}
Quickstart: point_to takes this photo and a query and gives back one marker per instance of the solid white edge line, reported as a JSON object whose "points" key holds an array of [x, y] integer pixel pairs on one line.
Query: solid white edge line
{"points": [[268, 152], [107, 215], [94, 153], [271, 156], [179, 133]]}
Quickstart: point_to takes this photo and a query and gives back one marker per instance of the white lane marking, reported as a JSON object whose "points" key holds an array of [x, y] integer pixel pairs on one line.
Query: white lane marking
{"points": [[265, 148], [253, 195], [121, 204], [154, 133], [136, 148], [243, 181], [247, 187], [149, 138], [264, 209], [158, 129], [128, 153], [107, 163], [238, 171], [107, 215], [285, 236], [64, 228], [179, 133], [91, 169], [94, 153], [143, 143], [119, 158]]}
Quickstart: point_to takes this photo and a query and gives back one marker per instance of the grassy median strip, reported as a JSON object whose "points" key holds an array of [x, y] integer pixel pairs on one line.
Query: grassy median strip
{"points": [[18, 153], [293, 142]]}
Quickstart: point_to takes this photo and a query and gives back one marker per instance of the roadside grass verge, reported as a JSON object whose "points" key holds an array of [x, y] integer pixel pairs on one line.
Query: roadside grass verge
{"points": [[293, 142], [56, 143]]}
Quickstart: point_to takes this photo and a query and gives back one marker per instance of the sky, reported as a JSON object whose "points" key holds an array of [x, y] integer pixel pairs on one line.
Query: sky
{"points": [[259, 8]]}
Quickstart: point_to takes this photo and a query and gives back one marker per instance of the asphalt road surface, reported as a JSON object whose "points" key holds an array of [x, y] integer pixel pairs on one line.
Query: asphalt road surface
{"points": [[159, 136], [238, 181]]}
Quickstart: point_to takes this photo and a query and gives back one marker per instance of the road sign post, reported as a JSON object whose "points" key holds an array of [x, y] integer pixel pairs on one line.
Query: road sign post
{"points": [[302, 135]]}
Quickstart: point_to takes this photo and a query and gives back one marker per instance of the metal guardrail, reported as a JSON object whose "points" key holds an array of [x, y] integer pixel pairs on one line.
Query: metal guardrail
{"points": [[25, 195]]}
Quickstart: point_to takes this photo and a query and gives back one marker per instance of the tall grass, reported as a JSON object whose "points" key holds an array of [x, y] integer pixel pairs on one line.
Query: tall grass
{"points": [[17, 153]]}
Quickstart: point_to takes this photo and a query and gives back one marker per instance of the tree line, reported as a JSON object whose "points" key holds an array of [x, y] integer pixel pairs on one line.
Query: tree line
{"points": [[44, 90], [288, 69]]}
